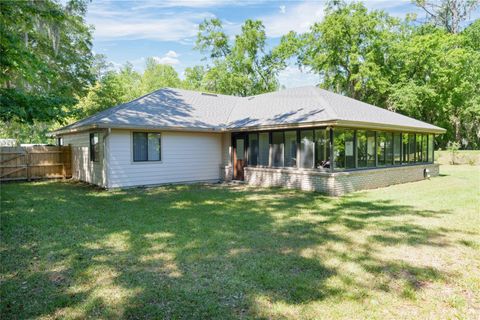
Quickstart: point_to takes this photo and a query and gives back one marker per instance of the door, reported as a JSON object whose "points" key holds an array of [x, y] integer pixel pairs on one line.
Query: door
{"points": [[238, 156]]}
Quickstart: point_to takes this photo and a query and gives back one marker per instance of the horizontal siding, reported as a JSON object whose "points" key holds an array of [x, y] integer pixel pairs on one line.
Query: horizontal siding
{"points": [[82, 168], [185, 157]]}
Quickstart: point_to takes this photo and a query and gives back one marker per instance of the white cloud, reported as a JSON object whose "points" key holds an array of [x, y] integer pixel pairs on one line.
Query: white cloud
{"points": [[169, 58], [292, 77], [296, 17], [114, 22], [171, 54]]}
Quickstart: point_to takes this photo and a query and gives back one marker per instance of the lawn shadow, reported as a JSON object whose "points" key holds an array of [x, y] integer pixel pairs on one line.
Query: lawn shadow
{"points": [[196, 251]]}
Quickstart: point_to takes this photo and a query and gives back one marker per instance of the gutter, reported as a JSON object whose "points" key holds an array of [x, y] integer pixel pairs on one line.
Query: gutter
{"points": [[332, 123]]}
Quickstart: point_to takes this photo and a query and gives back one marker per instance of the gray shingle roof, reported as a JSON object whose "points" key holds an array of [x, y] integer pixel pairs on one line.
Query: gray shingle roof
{"points": [[191, 110]]}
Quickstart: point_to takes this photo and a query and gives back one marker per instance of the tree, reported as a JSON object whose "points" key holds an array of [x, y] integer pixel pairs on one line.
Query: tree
{"points": [[240, 67], [448, 14], [348, 50], [194, 78], [421, 71], [45, 59], [106, 93], [157, 76]]}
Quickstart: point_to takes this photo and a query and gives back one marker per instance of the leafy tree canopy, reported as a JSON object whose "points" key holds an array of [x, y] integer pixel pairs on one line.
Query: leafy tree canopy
{"points": [[240, 67], [45, 59]]}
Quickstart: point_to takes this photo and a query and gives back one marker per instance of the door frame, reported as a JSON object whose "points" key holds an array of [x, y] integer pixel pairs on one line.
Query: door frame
{"points": [[236, 136]]}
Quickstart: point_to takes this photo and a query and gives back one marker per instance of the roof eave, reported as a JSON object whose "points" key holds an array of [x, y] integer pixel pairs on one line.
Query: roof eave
{"points": [[131, 127], [386, 126]]}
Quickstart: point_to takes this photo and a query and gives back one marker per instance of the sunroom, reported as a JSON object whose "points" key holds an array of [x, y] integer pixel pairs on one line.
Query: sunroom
{"points": [[311, 158]]}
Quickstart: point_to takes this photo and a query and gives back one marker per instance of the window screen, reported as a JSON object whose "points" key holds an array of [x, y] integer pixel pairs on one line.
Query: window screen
{"points": [[290, 148]]}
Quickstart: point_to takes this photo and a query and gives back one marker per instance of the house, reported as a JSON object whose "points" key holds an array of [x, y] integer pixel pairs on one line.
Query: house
{"points": [[305, 138]]}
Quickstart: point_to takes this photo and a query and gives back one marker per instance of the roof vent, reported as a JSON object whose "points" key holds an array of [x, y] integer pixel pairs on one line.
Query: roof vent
{"points": [[209, 94]]}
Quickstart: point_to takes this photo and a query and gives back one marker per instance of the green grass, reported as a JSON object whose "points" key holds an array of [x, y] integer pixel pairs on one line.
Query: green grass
{"points": [[69, 250]]}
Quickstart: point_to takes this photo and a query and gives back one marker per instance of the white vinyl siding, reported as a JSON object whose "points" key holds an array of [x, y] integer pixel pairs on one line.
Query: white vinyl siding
{"points": [[83, 168], [186, 157]]}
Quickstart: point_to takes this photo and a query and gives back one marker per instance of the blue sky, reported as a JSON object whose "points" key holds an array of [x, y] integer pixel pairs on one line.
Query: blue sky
{"points": [[134, 30]]}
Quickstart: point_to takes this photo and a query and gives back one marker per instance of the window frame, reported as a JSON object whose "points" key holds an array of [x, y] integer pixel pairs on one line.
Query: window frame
{"points": [[94, 149], [160, 149]]}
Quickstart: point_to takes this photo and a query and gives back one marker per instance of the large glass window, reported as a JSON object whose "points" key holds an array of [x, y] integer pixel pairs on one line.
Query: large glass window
{"points": [[424, 147], [344, 157], [277, 148], [322, 148], [263, 148], [381, 148], [147, 146], [252, 149], [405, 148], [371, 149], [94, 147], [290, 148], [389, 148], [397, 146], [307, 147], [411, 148], [419, 146], [430, 148], [362, 148]]}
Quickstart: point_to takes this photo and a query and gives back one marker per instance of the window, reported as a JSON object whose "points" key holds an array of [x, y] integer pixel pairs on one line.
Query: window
{"points": [[264, 148], [411, 147], [252, 149], [322, 148], [419, 145], [60, 141], [147, 146], [371, 149], [361, 148], [240, 148], [290, 148], [307, 147], [397, 146], [381, 148], [385, 148], [94, 147], [430, 147], [424, 148], [405, 148], [277, 148], [344, 149]]}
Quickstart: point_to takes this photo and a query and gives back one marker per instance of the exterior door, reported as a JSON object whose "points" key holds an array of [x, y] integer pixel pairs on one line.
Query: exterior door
{"points": [[238, 156]]}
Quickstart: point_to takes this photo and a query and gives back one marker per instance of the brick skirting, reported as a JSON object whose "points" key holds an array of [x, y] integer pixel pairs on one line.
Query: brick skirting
{"points": [[337, 183]]}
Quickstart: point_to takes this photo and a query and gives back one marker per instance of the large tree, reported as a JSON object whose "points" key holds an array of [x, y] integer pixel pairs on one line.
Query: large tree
{"points": [[240, 67], [45, 59], [157, 76], [348, 50]]}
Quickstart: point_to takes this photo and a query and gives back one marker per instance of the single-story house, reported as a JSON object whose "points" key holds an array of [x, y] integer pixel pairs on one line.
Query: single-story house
{"points": [[305, 138]]}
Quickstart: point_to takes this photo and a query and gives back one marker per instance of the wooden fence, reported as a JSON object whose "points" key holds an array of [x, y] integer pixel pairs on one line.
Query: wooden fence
{"points": [[37, 162]]}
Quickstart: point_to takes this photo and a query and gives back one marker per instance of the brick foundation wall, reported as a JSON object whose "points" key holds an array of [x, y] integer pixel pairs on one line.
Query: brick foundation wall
{"points": [[337, 183], [226, 173]]}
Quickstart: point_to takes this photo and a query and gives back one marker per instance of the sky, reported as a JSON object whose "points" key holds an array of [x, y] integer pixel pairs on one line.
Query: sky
{"points": [[166, 30]]}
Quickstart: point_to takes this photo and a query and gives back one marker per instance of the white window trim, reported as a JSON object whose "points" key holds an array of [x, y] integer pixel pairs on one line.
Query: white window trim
{"points": [[147, 162]]}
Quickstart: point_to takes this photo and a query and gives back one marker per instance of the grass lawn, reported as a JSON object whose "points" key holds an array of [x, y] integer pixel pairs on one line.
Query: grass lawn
{"points": [[411, 251]]}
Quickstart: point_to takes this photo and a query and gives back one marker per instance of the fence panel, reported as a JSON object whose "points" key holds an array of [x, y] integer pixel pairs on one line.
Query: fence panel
{"points": [[36, 162]]}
